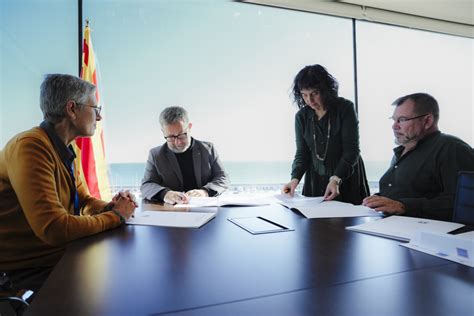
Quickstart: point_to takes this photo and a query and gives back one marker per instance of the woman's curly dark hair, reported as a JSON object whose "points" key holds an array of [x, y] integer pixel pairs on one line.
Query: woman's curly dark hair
{"points": [[315, 77]]}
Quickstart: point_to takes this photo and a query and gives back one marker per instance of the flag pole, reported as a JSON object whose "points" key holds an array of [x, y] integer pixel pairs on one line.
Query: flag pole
{"points": [[79, 35]]}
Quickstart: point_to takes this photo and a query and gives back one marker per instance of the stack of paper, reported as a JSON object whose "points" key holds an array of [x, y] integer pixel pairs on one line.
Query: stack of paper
{"points": [[457, 248], [316, 207], [403, 227], [171, 219]]}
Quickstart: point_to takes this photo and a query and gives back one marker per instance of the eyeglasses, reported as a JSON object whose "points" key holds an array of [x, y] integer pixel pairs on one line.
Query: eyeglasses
{"points": [[172, 138], [96, 108], [403, 119]]}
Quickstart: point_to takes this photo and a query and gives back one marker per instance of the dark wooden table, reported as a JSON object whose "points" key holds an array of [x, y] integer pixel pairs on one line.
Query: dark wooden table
{"points": [[320, 268]]}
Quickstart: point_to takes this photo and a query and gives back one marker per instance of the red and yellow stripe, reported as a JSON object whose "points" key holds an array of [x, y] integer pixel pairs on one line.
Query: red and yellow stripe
{"points": [[90, 161]]}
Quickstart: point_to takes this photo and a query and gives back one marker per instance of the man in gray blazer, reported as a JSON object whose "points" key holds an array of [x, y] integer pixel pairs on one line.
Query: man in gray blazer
{"points": [[183, 167]]}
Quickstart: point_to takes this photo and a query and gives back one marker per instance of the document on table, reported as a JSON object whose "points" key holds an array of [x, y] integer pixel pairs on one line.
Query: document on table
{"points": [[403, 227], [298, 200], [316, 207], [171, 219], [216, 201], [457, 248]]}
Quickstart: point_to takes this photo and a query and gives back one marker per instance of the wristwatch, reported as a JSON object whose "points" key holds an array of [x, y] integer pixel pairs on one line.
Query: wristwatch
{"points": [[336, 179]]}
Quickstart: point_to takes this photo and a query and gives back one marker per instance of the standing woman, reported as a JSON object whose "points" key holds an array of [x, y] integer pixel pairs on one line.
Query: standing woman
{"points": [[327, 140]]}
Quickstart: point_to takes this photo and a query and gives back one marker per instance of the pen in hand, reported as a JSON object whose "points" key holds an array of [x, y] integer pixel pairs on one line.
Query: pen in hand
{"points": [[175, 197], [183, 198], [287, 190]]}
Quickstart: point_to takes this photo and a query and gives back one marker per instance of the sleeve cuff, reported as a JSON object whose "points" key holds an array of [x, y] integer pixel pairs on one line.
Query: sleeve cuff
{"points": [[160, 196], [210, 192], [412, 206], [122, 219]]}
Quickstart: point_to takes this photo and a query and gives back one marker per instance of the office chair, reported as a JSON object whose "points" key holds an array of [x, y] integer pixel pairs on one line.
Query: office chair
{"points": [[464, 202], [12, 303]]}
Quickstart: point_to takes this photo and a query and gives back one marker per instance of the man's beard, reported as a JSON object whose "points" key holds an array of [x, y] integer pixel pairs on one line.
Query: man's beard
{"points": [[406, 140], [178, 150]]}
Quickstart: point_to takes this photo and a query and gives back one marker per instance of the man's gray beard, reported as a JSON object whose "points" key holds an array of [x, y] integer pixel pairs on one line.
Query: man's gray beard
{"points": [[181, 150], [407, 140]]}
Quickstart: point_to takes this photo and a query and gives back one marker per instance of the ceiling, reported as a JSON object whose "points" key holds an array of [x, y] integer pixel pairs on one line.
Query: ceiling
{"points": [[460, 11], [454, 17]]}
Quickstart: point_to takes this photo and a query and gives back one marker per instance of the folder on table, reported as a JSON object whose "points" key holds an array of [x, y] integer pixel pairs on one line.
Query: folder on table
{"points": [[403, 227], [171, 219]]}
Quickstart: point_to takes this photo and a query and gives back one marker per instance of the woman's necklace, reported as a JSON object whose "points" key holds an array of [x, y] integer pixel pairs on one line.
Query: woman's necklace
{"points": [[327, 140]]}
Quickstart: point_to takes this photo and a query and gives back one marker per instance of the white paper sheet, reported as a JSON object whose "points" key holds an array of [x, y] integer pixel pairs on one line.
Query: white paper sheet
{"points": [[216, 201], [457, 248], [403, 227], [171, 219], [298, 200], [315, 207]]}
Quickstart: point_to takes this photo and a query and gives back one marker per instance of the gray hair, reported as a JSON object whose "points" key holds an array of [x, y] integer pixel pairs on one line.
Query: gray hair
{"points": [[173, 114], [424, 104], [57, 90]]}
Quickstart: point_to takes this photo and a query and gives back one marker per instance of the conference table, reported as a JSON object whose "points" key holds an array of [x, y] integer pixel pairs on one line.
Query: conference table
{"points": [[320, 268]]}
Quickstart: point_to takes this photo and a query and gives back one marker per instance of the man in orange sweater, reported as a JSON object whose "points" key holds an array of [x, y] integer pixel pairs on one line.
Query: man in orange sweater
{"points": [[43, 203]]}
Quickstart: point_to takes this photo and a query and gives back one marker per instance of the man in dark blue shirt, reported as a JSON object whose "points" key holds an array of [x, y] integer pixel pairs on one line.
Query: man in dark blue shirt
{"points": [[421, 180]]}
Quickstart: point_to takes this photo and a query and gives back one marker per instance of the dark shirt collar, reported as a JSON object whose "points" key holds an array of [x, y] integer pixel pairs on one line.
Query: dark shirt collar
{"points": [[65, 152], [331, 107]]}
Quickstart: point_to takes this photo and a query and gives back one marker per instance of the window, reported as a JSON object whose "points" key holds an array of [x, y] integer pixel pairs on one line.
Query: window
{"points": [[36, 38], [229, 64], [394, 61]]}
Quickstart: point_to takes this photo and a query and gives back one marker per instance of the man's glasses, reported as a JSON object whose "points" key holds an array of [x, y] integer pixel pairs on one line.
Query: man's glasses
{"points": [[403, 119], [96, 108], [172, 138]]}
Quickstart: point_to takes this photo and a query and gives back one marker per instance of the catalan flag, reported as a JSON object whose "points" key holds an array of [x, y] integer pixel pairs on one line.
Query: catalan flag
{"points": [[90, 152]]}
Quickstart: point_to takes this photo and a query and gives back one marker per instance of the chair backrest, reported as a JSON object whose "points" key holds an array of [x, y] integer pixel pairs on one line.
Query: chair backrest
{"points": [[12, 302], [464, 201]]}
